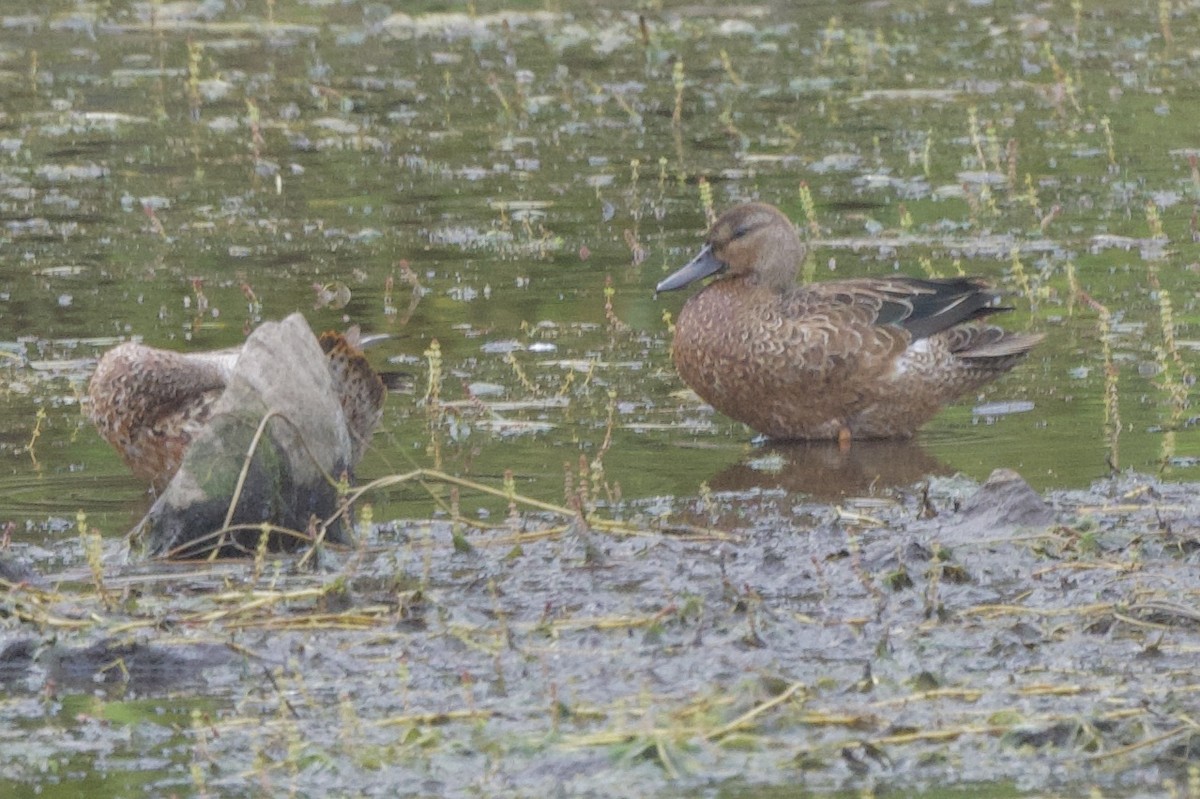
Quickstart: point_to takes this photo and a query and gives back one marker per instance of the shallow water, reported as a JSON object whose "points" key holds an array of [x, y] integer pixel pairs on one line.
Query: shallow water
{"points": [[178, 172], [181, 195]]}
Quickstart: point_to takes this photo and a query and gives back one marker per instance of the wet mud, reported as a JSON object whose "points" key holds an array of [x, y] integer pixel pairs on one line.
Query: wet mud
{"points": [[942, 634]]}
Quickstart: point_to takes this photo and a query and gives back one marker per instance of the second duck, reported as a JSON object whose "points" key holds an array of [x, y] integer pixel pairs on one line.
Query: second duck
{"points": [[845, 359]]}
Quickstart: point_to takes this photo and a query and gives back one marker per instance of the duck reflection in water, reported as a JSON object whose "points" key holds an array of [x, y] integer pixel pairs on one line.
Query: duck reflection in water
{"points": [[827, 472]]}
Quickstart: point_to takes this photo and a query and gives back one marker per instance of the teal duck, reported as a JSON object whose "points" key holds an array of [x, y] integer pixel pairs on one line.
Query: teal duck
{"points": [[150, 404], [860, 358]]}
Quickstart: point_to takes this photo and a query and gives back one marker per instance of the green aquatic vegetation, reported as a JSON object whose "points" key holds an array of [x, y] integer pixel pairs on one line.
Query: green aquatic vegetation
{"points": [[93, 554], [1112, 403], [809, 208]]}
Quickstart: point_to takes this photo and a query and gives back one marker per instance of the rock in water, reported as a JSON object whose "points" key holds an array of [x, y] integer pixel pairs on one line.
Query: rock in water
{"points": [[295, 464], [1002, 507]]}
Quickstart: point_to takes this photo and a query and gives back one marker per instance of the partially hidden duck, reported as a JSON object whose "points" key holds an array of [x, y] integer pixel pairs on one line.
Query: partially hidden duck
{"points": [[150, 404], [838, 360]]}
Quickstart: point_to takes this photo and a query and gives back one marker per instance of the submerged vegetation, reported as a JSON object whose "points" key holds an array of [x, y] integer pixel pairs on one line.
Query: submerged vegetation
{"points": [[570, 575]]}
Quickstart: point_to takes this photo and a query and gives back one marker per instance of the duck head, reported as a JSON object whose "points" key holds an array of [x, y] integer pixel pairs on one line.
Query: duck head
{"points": [[754, 242]]}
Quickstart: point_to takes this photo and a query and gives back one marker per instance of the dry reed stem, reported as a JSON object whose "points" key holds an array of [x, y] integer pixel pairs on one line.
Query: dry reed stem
{"points": [[753, 713], [434, 718]]}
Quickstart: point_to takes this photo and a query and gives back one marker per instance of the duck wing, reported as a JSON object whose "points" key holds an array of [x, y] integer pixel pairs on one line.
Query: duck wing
{"points": [[849, 315], [927, 307], [920, 307]]}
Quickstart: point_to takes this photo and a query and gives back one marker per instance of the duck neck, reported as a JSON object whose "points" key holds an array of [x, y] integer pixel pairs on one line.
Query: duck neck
{"points": [[778, 261]]}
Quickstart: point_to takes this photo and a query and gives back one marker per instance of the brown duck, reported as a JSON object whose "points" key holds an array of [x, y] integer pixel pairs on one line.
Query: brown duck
{"points": [[861, 358], [149, 404]]}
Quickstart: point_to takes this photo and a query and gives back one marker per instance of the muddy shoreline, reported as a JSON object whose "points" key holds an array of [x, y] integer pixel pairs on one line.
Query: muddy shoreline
{"points": [[946, 634]]}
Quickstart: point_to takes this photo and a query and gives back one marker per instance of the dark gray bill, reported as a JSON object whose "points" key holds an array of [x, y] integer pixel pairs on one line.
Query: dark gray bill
{"points": [[703, 265]]}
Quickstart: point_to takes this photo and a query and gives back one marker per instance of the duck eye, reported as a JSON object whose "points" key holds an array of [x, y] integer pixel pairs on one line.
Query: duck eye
{"points": [[740, 231]]}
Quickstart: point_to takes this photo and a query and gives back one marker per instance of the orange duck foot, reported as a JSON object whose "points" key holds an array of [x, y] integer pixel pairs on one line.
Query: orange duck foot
{"points": [[878, 356]]}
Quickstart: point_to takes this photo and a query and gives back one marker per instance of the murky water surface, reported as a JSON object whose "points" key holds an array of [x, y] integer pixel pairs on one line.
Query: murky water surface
{"points": [[178, 172], [512, 181]]}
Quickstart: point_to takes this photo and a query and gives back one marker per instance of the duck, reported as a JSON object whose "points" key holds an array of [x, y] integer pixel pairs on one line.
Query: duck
{"points": [[150, 404], [863, 358]]}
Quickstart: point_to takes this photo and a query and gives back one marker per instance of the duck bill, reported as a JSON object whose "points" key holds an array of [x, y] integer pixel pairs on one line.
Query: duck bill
{"points": [[703, 265]]}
